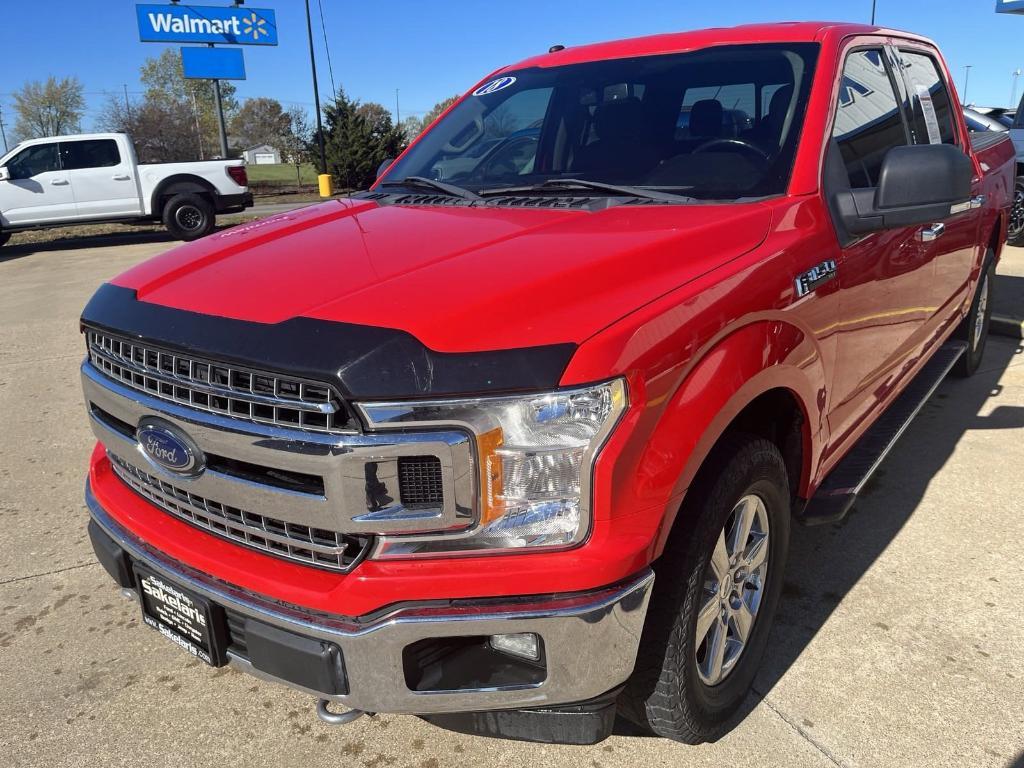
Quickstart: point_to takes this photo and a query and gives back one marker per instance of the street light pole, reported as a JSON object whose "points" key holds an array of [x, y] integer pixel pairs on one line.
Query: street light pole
{"points": [[316, 99], [873, 12], [967, 75], [1013, 91]]}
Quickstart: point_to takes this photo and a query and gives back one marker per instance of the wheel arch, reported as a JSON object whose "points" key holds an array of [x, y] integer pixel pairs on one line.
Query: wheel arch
{"points": [[177, 184], [766, 378]]}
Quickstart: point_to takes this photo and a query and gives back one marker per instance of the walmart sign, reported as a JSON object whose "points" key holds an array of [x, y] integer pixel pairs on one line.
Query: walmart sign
{"points": [[206, 24]]}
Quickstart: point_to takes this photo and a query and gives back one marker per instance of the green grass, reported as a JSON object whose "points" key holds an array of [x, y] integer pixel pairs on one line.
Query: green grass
{"points": [[281, 173]]}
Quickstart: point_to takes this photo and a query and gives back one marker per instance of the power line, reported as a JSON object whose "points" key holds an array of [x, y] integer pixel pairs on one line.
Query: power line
{"points": [[330, 69]]}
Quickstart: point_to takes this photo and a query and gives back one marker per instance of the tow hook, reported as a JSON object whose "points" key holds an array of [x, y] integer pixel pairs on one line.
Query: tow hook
{"points": [[336, 718]]}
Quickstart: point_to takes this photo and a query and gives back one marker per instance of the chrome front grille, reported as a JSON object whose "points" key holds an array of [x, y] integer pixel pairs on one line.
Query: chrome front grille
{"points": [[242, 393], [312, 546]]}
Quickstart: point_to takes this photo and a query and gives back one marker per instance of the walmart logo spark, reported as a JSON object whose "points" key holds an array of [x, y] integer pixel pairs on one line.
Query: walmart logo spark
{"points": [[255, 26]]}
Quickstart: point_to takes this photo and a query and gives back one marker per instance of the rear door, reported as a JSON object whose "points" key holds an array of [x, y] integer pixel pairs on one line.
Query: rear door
{"points": [[102, 178], [38, 190], [955, 239], [884, 276]]}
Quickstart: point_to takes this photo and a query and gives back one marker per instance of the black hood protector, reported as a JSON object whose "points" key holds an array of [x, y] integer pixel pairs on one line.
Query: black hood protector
{"points": [[362, 362]]}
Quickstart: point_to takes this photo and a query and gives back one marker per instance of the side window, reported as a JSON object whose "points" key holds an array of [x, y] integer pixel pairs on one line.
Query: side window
{"points": [[932, 113], [868, 122], [91, 153], [32, 161]]}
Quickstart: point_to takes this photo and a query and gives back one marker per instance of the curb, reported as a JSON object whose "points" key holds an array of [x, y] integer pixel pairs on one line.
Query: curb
{"points": [[1001, 325]]}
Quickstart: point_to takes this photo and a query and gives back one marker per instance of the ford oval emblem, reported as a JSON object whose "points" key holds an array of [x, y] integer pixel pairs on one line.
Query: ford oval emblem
{"points": [[168, 448]]}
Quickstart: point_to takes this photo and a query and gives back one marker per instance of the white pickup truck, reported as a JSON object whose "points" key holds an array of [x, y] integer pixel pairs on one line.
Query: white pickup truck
{"points": [[96, 178]]}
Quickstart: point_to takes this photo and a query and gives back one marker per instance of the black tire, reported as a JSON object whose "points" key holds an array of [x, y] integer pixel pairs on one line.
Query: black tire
{"points": [[1015, 228], [189, 216], [973, 329], [665, 693]]}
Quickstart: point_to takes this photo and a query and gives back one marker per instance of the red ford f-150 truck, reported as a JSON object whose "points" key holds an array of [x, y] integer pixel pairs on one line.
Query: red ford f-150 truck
{"points": [[514, 440]]}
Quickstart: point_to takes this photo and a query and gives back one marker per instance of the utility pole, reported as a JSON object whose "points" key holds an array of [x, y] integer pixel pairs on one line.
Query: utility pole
{"points": [[1013, 91], [398, 114], [967, 75], [2, 132], [316, 99], [199, 133], [220, 120]]}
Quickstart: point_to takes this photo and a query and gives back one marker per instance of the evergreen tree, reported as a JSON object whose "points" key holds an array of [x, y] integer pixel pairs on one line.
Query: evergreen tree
{"points": [[358, 138]]}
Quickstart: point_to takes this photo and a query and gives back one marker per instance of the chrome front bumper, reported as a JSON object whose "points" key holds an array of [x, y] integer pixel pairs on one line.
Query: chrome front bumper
{"points": [[590, 639]]}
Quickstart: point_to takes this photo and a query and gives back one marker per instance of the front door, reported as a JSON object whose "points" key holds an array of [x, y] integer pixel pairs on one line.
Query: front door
{"points": [[103, 180], [884, 277], [38, 190]]}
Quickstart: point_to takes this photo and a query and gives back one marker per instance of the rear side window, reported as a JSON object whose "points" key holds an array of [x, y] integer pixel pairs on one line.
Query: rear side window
{"points": [[868, 122], [91, 153], [32, 161], [932, 117]]}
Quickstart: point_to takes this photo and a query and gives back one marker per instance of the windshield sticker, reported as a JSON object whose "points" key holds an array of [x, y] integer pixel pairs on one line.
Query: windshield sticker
{"points": [[930, 120], [494, 85]]}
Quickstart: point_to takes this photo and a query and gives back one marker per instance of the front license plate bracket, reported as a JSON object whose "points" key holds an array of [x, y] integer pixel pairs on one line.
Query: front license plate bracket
{"points": [[188, 620]]}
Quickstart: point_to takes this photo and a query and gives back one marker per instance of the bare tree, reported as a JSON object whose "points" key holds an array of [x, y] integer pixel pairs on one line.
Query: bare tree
{"points": [[260, 120], [50, 108], [163, 131]]}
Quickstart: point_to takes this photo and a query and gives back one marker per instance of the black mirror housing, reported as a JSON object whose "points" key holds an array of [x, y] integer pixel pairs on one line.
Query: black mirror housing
{"points": [[918, 184]]}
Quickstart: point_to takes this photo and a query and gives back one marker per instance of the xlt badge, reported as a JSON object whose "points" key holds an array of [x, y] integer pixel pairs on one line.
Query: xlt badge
{"points": [[815, 276]]}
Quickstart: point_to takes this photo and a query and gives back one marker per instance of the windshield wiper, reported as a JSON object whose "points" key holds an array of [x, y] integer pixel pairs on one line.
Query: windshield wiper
{"points": [[598, 186], [439, 186]]}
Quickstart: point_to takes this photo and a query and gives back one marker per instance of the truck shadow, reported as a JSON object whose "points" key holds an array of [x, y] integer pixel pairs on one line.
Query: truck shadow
{"points": [[826, 562], [10, 252]]}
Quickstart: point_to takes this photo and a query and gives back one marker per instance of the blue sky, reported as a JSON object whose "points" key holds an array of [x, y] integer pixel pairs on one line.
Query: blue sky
{"points": [[433, 48]]}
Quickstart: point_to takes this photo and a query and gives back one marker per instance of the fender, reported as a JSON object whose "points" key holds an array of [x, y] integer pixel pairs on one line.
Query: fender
{"points": [[687, 410], [178, 184]]}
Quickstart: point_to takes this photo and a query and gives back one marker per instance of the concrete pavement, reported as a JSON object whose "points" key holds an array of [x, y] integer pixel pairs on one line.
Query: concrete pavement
{"points": [[899, 641], [1008, 294]]}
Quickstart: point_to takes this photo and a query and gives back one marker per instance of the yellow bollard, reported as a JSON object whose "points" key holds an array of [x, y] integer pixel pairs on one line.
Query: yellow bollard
{"points": [[326, 189]]}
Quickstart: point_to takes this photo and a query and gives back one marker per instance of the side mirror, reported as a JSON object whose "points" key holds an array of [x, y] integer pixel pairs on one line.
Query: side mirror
{"points": [[384, 166], [5, 174], [919, 184]]}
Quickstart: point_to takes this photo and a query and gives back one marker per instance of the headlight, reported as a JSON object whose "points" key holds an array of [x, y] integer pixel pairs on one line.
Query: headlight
{"points": [[535, 454]]}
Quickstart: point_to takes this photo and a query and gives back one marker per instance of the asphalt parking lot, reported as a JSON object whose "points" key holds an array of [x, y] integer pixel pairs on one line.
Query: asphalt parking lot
{"points": [[900, 639]]}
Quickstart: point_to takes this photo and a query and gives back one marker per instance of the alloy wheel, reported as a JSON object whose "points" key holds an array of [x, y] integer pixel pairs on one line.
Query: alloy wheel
{"points": [[1016, 224], [189, 217], [733, 587], [979, 318]]}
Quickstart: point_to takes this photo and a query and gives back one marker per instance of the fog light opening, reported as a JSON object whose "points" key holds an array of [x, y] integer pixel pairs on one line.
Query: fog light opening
{"points": [[523, 645]]}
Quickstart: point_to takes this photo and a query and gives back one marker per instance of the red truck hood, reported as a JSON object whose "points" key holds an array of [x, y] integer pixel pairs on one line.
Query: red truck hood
{"points": [[458, 279]]}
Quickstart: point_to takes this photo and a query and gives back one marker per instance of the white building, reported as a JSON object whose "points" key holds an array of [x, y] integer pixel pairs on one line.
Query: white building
{"points": [[264, 154]]}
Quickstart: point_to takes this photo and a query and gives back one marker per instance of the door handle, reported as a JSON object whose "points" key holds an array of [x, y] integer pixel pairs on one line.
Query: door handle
{"points": [[59, 182], [977, 201], [934, 232], [121, 177]]}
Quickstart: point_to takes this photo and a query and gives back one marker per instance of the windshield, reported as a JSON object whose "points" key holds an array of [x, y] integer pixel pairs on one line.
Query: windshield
{"points": [[715, 123]]}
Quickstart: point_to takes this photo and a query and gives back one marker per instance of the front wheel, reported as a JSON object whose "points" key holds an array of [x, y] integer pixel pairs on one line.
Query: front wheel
{"points": [[1015, 228], [715, 594], [188, 216]]}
